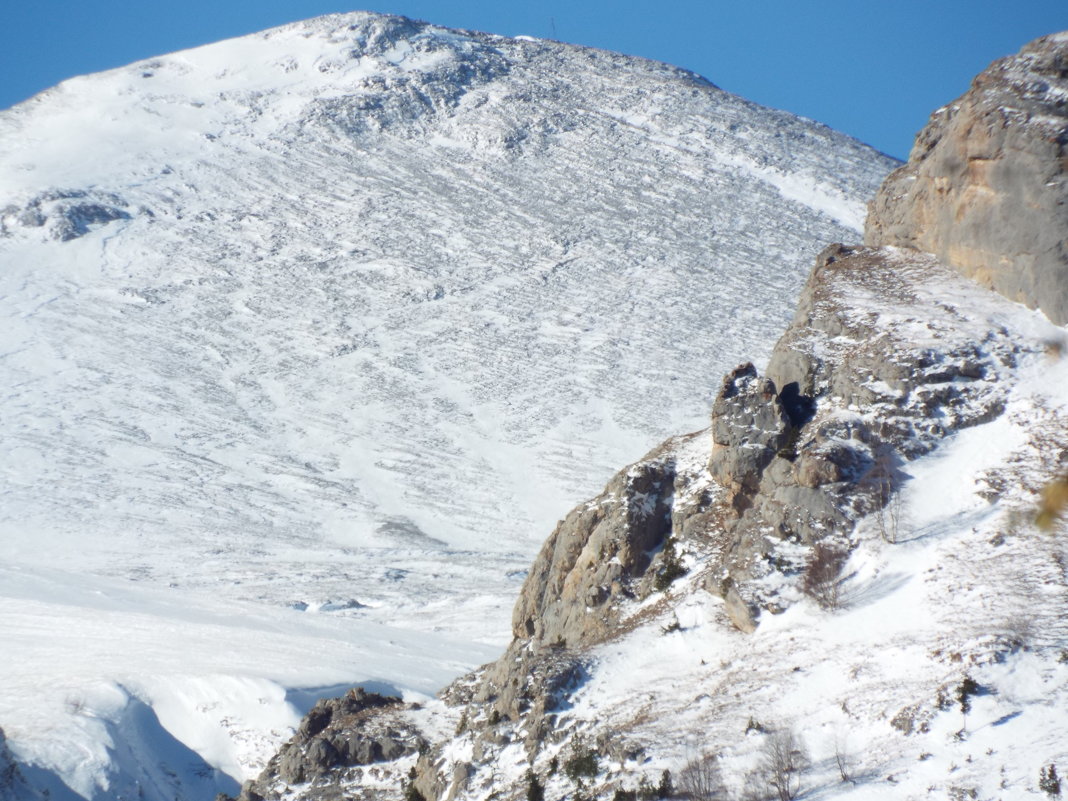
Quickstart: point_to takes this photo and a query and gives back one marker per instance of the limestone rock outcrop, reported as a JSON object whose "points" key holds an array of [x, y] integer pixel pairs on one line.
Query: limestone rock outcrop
{"points": [[337, 736], [595, 556], [986, 185], [749, 427], [875, 370]]}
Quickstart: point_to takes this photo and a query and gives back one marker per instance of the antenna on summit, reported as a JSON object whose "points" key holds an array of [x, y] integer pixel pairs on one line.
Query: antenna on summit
{"points": [[552, 26]]}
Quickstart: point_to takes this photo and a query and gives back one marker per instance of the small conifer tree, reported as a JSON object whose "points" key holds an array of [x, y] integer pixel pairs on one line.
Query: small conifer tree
{"points": [[1049, 782], [665, 789], [535, 789]]}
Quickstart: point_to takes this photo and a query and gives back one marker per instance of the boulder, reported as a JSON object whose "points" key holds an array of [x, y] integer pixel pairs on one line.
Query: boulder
{"points": [[749, 427], [359, 728]]}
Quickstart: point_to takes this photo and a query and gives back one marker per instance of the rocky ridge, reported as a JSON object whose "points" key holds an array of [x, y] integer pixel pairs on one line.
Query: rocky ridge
{"points": [[997, 150], [890, 353]]}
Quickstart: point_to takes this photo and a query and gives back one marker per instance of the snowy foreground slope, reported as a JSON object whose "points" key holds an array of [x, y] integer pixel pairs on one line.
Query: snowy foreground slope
{"points": [[308, 338], [950, 587]]}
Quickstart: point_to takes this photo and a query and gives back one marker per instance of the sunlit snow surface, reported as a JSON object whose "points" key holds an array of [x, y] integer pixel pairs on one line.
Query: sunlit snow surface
{"points": [[970, 587], [309, 337]]}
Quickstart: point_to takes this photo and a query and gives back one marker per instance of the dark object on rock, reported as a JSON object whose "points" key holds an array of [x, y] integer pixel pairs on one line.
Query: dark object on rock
{"points": [[749, 427]]}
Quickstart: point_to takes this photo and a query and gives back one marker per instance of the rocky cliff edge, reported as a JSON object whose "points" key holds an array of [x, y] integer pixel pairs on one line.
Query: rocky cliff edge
{"points": [[986, 184]]}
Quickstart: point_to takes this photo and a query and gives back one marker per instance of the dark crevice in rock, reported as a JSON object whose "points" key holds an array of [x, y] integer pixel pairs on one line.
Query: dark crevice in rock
{"points": [[799, 408]]}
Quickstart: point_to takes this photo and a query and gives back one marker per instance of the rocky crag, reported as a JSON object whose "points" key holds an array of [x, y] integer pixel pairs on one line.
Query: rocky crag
{"points": [[340, 736], [985, 187], [791, 498]]}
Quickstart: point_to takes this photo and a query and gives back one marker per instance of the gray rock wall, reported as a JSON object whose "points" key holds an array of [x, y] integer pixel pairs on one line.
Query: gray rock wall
{"points": [[594, 557]]}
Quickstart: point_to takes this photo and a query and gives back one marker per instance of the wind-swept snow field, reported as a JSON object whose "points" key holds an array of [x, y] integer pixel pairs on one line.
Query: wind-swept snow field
{"points": [[309, 337]]}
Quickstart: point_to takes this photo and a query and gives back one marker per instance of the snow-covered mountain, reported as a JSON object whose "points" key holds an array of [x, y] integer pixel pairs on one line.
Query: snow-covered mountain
{"points": [[309, 337], [851, 585]]}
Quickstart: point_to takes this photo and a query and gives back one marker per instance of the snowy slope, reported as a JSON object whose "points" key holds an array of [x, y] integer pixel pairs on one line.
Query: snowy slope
{"points": [[317, 331], [970, 588], [965, 588]]}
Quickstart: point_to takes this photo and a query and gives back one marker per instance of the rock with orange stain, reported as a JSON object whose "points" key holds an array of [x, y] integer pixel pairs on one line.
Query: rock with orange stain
{"points": [[986, 186]]}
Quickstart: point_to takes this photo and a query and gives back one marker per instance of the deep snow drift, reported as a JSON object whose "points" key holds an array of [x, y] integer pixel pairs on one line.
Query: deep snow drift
{"points": [[311, 335]]}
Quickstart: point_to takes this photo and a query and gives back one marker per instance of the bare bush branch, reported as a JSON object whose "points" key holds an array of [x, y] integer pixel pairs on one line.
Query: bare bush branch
{"points": [[701, 779], [842, 760], [883, 482], [822, 579], [782, 762]]}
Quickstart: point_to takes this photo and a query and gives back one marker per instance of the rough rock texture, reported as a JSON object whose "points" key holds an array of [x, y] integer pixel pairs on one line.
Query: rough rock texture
{"points": [[595, 555], [749, 426], [602, 556], [358, 729], [873, 371], [886, 357], [986, 184], [866, 335], [608, 554]]}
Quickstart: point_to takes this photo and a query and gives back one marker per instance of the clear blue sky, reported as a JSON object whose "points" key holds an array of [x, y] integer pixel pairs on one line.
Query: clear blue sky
{"points": [[872, 69]]}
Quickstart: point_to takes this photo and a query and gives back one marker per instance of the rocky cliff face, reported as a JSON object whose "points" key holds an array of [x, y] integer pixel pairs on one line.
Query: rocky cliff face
{"points": [[890, 353], [986, 185]]}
